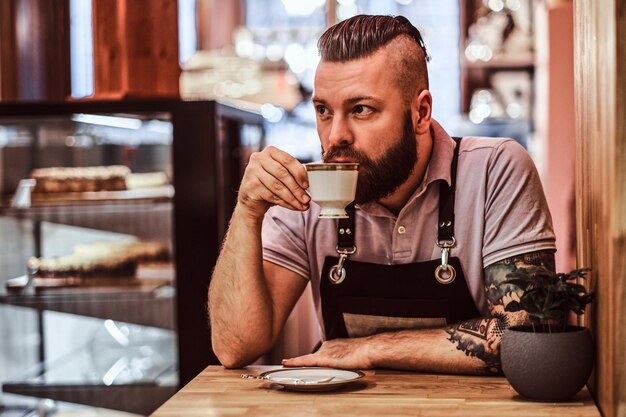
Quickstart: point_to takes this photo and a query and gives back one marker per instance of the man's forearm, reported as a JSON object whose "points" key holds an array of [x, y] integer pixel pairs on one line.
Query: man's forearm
{"points": [[239, 303], [471, 347]]}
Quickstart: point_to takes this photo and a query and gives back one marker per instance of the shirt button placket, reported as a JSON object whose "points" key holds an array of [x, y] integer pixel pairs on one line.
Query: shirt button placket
{"points": [[402, 246]]}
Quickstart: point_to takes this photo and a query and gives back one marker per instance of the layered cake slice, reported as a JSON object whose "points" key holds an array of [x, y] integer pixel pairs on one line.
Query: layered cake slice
{"points": [[79, 179], [100, 259]]}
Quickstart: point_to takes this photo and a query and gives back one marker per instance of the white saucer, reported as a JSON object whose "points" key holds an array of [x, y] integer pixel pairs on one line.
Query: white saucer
{"points": [[306, 379]]}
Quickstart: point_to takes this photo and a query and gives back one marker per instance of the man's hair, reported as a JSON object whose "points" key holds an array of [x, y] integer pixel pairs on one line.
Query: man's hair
{"points": [[363, 35]]}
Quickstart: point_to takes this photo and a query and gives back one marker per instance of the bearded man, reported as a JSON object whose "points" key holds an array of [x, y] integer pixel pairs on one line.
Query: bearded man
{"points": [[438, 223]]}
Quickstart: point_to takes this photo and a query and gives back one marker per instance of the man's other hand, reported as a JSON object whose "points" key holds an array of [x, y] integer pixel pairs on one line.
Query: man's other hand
{"points": [[337, 353]]}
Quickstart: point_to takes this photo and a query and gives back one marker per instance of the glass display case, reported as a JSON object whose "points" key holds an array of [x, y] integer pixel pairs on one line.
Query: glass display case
{"points": [[123, 339]]}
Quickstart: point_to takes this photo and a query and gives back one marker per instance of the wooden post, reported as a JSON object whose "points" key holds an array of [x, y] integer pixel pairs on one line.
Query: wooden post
{"points": [[135, 48], [600, 91], [34, 50]]}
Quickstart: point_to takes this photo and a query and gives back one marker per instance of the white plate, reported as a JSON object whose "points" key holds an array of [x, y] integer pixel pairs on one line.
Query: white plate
{"points": [[311, 379]]}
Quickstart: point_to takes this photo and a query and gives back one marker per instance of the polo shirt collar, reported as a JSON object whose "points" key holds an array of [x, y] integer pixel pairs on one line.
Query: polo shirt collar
{"points": [[440, 164]]}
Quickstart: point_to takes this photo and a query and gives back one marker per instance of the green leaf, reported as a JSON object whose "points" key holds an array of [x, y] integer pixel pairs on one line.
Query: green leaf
{"points": [[530, 305], [575, 288], [547, 296]]}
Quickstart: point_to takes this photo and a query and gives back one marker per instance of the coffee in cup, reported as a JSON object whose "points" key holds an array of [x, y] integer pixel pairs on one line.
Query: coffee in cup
{"points": [[332, 186]]}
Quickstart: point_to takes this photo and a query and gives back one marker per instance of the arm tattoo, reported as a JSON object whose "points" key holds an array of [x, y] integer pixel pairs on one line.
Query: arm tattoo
{"points": [[476, 338], [481, 337], [499, 296]]}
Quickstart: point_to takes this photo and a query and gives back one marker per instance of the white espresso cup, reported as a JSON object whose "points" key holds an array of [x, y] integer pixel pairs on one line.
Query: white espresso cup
{"points": [[332, 186]]}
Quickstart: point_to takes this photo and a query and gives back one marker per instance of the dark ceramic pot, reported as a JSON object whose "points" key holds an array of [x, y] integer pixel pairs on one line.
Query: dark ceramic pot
{"points": [[547, 366]]}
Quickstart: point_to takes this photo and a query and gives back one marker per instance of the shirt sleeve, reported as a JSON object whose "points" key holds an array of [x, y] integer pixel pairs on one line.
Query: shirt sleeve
{"points": [[517, 218], [283, 240]]}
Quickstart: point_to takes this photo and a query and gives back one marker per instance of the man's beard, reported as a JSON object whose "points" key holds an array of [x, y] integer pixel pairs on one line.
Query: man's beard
{"points": [[380, 178]]}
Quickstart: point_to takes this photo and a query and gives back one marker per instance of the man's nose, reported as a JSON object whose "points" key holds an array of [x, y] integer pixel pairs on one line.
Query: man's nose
{"points": [[340, 133]]}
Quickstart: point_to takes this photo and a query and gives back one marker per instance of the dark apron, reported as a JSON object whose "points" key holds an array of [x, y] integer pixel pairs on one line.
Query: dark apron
{"points": [[361, 298]]}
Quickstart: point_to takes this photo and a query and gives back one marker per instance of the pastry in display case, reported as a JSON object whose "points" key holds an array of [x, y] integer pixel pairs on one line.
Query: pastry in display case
{"points": [[80, 179], [116, 211], [99, 263]]}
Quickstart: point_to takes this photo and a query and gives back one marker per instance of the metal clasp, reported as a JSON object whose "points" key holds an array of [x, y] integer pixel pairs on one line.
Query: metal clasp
{"points": [[337, 273], [446, 243], [445, 273]]}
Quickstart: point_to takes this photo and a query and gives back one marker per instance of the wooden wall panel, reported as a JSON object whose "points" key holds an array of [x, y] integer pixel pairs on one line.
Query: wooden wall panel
{"points": [[135, 48], [600, 55], [8, 55], [35, 49], [108, 49]]}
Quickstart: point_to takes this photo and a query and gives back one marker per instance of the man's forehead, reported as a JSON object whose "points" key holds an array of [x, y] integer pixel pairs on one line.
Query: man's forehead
{"points": [[360, 77]]}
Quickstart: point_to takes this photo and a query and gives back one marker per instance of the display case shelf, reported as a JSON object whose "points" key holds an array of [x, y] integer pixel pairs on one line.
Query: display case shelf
{"points": [[59, 381], [111, 216], [18, 411], [149, 305], [111, 397]]}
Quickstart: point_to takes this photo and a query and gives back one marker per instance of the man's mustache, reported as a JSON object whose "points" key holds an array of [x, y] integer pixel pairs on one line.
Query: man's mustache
{"points": [[336, 152]]}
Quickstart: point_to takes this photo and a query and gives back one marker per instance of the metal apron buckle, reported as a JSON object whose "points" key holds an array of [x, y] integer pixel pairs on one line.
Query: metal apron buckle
{"points": [[445, 273], [337, 273]]}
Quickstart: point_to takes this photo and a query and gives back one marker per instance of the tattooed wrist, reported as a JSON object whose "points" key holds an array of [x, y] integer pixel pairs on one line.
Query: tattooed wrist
{"points": [[479, 338]]}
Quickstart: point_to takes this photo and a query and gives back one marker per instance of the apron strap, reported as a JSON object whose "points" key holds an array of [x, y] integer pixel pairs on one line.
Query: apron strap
{"points": [[345, 230], [445, 232], [345, 245]]}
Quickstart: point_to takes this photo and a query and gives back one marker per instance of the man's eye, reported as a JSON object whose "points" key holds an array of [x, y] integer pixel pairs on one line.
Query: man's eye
{"points": [[361, 109], [321, 109]]}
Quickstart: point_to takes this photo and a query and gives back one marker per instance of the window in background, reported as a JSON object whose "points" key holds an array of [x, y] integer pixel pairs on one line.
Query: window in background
{"points": [[187, 30], [81, 49]]}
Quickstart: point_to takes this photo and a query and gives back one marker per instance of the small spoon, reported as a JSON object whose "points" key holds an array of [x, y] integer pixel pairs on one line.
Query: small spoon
{"points": [[288, 380]]}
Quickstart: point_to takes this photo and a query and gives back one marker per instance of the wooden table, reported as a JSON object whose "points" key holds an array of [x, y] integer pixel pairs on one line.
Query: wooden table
{"points": [[221, 392]]}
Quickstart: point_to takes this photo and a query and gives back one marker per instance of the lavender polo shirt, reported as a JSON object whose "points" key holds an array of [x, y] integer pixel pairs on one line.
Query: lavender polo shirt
{"points": [[500, 212]]}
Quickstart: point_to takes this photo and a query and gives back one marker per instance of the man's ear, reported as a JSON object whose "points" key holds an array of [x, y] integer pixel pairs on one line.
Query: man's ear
{"points": [[422, 112]]}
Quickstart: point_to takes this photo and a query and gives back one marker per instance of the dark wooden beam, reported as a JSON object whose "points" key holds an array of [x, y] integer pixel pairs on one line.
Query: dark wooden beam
{"points": [[135, 48], [35, 50]]}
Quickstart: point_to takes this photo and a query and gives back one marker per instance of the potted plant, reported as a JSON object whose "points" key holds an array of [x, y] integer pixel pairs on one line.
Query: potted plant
{"points": [[548, 360]]}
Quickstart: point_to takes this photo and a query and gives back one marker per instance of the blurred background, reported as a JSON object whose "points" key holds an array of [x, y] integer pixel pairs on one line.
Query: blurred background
{"points": [[188, 89]]}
